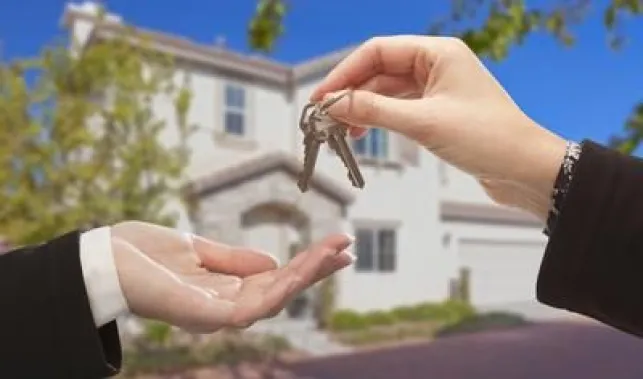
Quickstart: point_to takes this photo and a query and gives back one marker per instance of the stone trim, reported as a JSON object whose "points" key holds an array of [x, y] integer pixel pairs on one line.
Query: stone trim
{"points": [[482, 213], [253, 66], [260, 165]]}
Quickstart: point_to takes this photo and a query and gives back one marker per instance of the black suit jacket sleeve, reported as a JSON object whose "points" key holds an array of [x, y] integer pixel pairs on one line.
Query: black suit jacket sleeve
{"points": [[593, 263], [46, 325]]}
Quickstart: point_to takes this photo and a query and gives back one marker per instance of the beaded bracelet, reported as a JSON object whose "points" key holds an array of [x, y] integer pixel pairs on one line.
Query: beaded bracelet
{"points": [[561, 185]]}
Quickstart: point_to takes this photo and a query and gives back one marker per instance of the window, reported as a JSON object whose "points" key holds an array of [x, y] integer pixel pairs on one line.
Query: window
{"points": [[373, 145], [235, 110], [376, 250]]}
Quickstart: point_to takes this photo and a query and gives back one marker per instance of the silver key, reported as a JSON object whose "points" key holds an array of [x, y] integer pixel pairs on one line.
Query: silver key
{"points": [[318, 128], [312, 142], [337, 142]]}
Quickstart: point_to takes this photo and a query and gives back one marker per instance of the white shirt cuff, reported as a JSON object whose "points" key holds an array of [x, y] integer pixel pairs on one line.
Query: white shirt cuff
{"points": [[101, 278]]}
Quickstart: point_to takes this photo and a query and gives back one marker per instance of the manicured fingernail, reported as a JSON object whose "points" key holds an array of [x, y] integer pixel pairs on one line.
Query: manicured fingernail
{"points": [[189, 237], [267, 254], [351, 238], [350, 256]]}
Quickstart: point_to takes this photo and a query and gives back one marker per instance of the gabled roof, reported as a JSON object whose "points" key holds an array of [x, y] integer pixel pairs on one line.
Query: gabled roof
{"points": [[259, 166], [252, 65]]}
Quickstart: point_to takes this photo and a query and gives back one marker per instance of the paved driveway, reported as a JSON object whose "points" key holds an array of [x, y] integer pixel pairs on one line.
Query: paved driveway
{"points": [[542, 351]]}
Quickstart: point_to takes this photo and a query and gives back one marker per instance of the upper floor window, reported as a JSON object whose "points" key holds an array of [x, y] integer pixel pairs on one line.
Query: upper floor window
{"points": [[373, 145], [235, 110], [376, 249]]}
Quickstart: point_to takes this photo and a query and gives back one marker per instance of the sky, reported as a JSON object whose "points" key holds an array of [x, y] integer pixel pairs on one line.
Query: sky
{"points": [[586, 91]]}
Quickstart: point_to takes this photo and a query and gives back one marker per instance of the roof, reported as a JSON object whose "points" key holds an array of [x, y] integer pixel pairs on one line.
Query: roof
{"points": [[261, 165], [179, 47]]}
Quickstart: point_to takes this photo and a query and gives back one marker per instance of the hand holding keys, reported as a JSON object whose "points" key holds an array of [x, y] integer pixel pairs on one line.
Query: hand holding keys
{"points": [[318, 128]]}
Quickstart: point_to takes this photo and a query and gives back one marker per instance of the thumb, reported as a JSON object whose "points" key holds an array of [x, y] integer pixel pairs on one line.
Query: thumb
{"points": [[370, 109]]}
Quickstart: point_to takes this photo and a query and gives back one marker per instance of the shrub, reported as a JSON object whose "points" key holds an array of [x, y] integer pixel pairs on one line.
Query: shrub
{"points": [[229, 349], [379, 318], [324, 304], [347, 320], [156, 332], [455, 311], [274, 344], [483, 322], [406, 313], [448, 311]]}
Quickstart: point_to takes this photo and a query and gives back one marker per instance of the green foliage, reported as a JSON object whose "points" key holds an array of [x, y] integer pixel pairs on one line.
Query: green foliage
{"points": [[325, 303], [158, 333], [233, 349], [504, 22], [267, 24], [380, 318], [80, 142], [391, 333], [482, 322], [446, 313], [347, 320], [491, 28], [631, 137]]}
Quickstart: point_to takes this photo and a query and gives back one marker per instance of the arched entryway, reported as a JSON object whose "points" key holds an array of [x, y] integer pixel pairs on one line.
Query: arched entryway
{"points": [[257, 203], [283, 230]]}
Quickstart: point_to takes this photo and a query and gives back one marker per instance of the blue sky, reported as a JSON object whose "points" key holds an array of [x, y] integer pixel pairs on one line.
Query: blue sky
{"points": [[586, 91]]}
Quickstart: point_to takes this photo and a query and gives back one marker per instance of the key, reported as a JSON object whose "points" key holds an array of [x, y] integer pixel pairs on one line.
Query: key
{"points": [[312, 142], [319, 128], [337, 142]]}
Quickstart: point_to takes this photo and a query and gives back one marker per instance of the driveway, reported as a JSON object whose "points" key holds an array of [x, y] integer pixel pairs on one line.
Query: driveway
{"points": [[541, 351]]}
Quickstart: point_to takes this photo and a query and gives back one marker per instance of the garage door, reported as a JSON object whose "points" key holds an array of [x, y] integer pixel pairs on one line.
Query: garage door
{"points": [[501, 272]]}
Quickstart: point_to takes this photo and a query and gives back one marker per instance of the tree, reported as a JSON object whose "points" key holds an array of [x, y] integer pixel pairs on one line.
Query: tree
{"points": [[506, 23], [79, 142]]}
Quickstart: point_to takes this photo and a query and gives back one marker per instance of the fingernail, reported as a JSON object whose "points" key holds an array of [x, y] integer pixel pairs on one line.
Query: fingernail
{"points": [[189, 237], [351, 257], [351, 238], [267, 254]]}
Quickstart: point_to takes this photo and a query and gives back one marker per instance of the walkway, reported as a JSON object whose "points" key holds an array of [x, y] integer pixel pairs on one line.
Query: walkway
{"points": [[302, 335]]}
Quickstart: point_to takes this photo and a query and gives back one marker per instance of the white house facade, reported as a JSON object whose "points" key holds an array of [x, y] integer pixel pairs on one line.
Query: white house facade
{"points": [[418, 222]]}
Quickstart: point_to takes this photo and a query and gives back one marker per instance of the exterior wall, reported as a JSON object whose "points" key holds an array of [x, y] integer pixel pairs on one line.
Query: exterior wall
{"points": [[456, 185], [452, 232], [268, 119], [398, 193], [403, 196], [455, 233]]}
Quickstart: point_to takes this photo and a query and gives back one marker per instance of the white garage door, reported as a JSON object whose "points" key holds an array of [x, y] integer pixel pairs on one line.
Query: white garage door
{"points": [[501, 273]]}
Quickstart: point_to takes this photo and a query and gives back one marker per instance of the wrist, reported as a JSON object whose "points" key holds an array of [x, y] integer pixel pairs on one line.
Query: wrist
{"points": [[536, 182]]}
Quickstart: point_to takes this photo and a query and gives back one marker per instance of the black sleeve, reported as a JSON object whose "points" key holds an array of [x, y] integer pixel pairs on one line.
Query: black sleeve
{"points": [[593, 263], [46, 325]]}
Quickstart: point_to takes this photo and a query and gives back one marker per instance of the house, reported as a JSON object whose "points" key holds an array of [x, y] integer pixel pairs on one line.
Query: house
{"points": [[419, 222]]}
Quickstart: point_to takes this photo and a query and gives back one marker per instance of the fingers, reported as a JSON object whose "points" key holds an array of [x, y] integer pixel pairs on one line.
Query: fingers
{"points": [[225, 259], [366, 108], [390, 85], [357, 132], [387, 85], [334, 242], [334, 264], [323, 259], [397, 55]]}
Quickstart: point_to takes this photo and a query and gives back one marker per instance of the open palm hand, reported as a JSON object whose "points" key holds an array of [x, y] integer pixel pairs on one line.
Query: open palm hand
{"points": [[202, 286]]}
